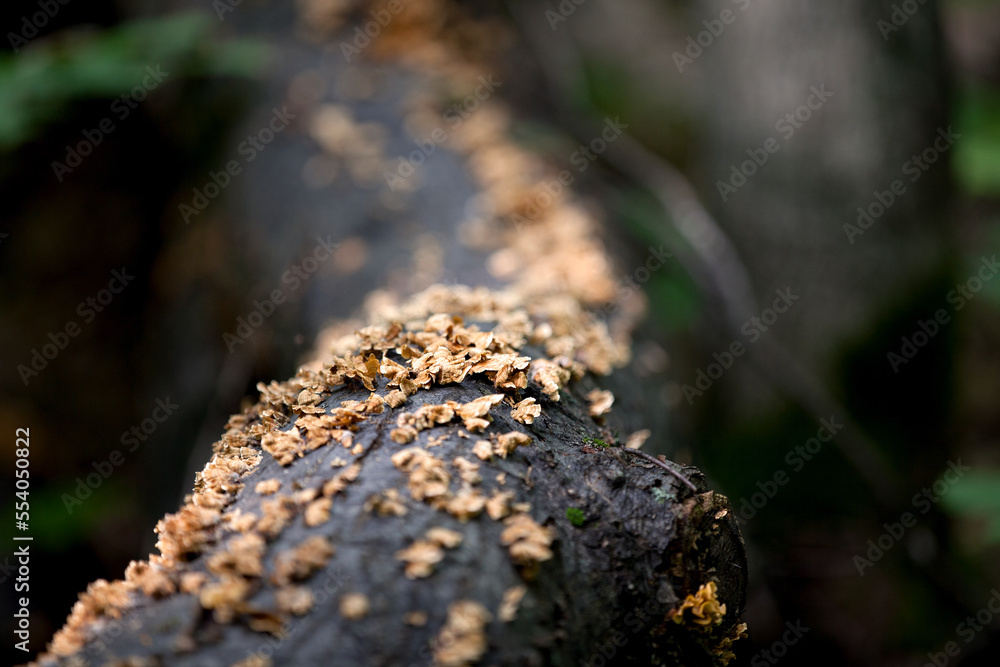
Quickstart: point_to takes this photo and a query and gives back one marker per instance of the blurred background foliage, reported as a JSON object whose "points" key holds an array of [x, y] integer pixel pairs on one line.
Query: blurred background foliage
{"points": [[38, 85], [62, 82], [977, 160]]}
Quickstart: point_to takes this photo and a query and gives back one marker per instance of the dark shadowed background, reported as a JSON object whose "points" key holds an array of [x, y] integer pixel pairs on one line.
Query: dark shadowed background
{"points": [[831, 363]]}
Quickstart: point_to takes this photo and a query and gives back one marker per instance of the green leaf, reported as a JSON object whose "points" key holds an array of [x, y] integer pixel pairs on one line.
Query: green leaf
{"points": [[674, 298], [575, 516], [977, 495], [977, 151]]}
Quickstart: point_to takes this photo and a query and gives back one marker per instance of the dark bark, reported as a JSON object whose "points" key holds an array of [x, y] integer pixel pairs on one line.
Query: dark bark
{"points": [[646, 538], [645, 543]]}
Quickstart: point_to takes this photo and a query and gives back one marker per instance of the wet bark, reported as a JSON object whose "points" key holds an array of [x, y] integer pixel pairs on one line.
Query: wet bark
{"points": [[644, 538]]}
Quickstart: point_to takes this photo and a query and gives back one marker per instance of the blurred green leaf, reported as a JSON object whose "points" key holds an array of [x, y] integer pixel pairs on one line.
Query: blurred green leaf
{"points": [[977, 495], [54, 527], [675, 302], [977, 153], [674, 298], [38, 84]]}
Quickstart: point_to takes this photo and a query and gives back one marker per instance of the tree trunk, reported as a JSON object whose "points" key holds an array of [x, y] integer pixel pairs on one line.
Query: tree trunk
{"points": [[643, 539], [474, 503]]}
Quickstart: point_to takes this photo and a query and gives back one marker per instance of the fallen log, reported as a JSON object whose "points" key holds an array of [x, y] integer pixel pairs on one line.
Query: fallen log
{"points": [[449, 484]]}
